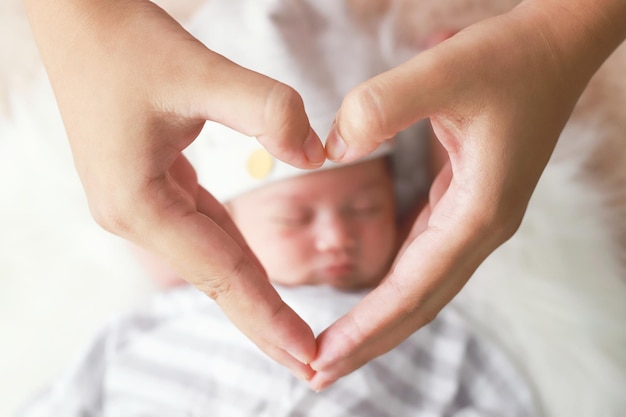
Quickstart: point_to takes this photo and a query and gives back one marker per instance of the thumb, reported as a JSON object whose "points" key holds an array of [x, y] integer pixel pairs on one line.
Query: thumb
{"points": [[251, 103], [379, 108]]}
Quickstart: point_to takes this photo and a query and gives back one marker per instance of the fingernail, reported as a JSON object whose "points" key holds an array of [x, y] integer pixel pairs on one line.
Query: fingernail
{"points": [[314, 150], [300, 358], [335, 146], [319, 386], [304, 375]]}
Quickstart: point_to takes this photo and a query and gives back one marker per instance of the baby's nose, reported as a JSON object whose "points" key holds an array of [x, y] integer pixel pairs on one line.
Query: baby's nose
{"points": [[334, 233]]}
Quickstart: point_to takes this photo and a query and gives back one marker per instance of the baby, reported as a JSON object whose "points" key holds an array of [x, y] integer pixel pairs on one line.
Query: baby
{"points": [[335, 227], [314, 232]]}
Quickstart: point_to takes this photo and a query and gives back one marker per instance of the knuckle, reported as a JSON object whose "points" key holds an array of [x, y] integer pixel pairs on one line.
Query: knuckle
{"points": [[509, 219], [354, 335], [283, 105], [404, 307], [218, 284], [111, 216], [426, 316], [416, 308], [509, 227], [283, 97], [365, 113], [498, 221], [284, 119], [127, 211]]}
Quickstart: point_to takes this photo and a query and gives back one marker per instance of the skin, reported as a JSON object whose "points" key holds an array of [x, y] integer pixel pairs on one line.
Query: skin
{"points": [[334, 227], [134, 89], [130, 106], [546, 53]]}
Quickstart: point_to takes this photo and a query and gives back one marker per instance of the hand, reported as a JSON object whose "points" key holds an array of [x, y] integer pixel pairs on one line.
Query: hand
{"points": [[134, 90], [498, 95]]}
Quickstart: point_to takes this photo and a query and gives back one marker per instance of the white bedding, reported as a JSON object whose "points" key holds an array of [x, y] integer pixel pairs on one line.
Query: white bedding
{"points": [[554, 296], [178, 355]]}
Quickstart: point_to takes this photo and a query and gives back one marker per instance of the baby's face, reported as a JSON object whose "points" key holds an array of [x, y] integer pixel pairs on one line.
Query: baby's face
{"points": [[334, 227]]}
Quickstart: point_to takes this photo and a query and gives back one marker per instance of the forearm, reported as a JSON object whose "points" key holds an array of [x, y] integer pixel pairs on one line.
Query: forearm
{"points": [[79, 37], [63, 26], [581, 34]]}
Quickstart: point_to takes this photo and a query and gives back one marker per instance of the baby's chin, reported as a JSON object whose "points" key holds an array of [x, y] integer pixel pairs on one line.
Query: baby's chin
{"points": [[348, 281]]}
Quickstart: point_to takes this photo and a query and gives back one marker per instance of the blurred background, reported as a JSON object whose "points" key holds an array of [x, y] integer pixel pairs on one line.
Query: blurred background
{"points": [[61, 275], [558, 287]]}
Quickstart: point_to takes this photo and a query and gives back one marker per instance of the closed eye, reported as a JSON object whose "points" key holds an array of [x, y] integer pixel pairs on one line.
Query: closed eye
{"points": [[294, 220], [363, 210]]}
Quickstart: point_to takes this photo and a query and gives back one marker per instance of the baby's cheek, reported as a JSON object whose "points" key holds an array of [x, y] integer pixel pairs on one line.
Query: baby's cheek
{"points": [[288, 248], [380, 241]]}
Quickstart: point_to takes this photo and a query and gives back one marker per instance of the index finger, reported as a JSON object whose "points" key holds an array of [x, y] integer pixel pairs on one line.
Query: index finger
{"points": [[377, 109], [205, 248], [430, 272]]}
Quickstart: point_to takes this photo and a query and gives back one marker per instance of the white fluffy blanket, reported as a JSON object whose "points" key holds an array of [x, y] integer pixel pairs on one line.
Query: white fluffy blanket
{"points": [[554, 295]]}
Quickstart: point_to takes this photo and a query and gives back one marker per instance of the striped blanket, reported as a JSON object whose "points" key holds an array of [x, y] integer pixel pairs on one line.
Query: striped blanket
{"points": [[179, 356]]}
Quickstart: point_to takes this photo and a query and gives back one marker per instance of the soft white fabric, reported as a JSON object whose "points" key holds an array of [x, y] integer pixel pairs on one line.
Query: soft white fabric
{"points": [[180, 356], [555, 295], [60, 273], [312, 46], [552, 295]]}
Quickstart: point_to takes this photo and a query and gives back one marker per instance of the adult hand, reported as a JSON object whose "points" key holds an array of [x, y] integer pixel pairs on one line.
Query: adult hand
{"points": [[498, 95], [134, 90]]}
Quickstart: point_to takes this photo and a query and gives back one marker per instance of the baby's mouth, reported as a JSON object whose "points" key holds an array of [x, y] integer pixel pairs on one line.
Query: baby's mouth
{"points": [[338, 269]]}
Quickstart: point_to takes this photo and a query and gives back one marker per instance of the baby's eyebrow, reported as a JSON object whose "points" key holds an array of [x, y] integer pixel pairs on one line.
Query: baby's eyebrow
{"points": [[297, 198], [282, 197], [372, 184], [376, 182]]}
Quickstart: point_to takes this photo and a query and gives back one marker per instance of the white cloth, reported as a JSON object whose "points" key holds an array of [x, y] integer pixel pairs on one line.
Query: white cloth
{"points": [[179, 356], [312, 46]]}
